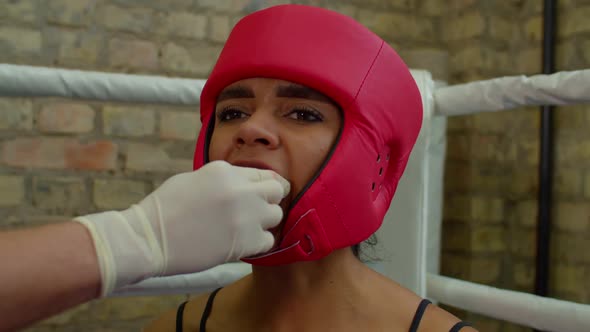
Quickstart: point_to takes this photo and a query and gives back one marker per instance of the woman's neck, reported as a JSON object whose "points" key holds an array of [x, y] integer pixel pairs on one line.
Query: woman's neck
{"points": [[303, 278], [280, 294]]}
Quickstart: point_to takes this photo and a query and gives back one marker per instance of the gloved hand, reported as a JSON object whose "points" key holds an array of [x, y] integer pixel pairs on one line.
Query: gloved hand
{"points": [[192, 222]]}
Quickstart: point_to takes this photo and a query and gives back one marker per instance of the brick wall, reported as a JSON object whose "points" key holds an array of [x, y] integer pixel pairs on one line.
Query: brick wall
{"points": [[491, 171], [60, 158]]}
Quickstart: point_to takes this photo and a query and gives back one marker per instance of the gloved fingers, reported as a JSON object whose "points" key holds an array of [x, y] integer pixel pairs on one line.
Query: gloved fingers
{"points": [[270, 190], [262, 175], [272, 217], [267, 241]]}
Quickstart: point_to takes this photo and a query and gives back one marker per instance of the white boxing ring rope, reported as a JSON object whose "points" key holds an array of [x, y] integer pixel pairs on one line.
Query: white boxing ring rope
{"points": [[562, 88], [27, 81], [516, 307], [490, 95]]}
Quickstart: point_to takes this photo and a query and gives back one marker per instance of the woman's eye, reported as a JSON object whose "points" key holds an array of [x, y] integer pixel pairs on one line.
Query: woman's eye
{"points": [[230, 114], [305, 115]]}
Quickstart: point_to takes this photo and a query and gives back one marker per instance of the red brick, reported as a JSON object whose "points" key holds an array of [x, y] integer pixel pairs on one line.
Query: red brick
{"points": [[66, 118], [34, 152], [100, 155], [59, 153]]}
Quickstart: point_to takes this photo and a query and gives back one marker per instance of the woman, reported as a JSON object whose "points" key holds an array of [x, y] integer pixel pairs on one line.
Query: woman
{"points": [[327, 104]]}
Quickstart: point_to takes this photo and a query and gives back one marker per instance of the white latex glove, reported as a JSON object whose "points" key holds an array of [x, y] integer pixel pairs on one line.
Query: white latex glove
{"points": [[192, 222]]}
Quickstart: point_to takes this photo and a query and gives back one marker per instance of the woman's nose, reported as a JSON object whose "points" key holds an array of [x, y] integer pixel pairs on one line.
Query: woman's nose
{"points": [[258, 129]]}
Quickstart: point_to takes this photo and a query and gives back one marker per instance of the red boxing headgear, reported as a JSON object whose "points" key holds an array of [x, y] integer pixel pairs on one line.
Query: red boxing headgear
{"points": [[346, 201]]}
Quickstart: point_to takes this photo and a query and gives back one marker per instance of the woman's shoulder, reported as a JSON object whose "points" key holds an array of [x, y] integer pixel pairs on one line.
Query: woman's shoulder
{"points": [[437, 319], [433, 317], [190, 317], [195, 307]]}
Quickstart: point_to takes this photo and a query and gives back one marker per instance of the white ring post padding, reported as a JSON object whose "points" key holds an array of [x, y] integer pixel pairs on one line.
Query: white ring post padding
{"points": [[562, 88], [538, 312], [195, 283], [407, 249], [28, 81]]}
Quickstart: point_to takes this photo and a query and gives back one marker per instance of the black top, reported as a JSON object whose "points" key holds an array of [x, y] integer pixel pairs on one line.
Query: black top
{"points": [[202, 327]]}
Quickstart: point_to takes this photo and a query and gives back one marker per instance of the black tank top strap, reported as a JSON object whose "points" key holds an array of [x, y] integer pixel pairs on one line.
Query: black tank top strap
{"points": [[207, 310], [418, 316], [179, 315], [459, 326]]}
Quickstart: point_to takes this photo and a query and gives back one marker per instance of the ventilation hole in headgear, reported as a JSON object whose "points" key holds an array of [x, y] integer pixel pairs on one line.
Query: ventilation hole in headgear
{"points": [[312, 247], [378, 158], [373, 187], [380, 171]]}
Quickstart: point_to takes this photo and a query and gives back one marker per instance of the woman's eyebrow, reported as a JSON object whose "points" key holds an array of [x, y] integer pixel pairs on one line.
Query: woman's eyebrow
{"points": [[235, 92], [300, 91]]}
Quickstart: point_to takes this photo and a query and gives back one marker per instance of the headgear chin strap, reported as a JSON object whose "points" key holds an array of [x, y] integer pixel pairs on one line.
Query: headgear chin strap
{"points": [[347, 199]]}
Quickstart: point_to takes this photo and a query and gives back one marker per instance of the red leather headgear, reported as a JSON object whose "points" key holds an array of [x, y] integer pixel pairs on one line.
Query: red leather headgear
{"points": [[346, 201]]}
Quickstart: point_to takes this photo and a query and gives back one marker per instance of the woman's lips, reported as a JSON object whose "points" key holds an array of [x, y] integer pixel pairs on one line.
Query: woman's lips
{"points": [[253, 164]]}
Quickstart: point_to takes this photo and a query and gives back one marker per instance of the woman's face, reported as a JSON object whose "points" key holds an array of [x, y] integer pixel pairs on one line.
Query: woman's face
{"points": [[274, 124]]}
